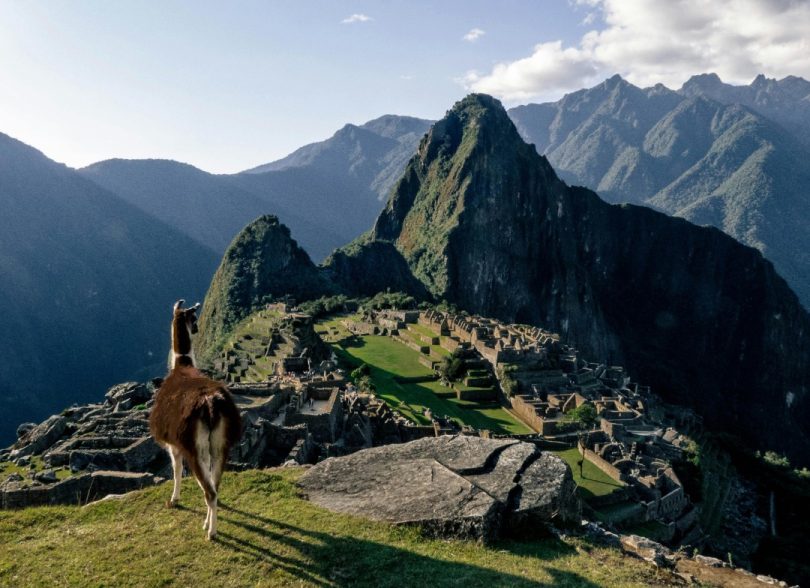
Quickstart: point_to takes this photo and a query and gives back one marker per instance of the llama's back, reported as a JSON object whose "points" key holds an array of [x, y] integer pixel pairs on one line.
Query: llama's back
{"points": [[184, 403]]}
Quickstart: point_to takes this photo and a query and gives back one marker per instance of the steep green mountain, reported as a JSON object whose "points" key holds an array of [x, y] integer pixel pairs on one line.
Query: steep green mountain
{"points": [[262, 263], [86, 287], [697, 154], [483, 221]]}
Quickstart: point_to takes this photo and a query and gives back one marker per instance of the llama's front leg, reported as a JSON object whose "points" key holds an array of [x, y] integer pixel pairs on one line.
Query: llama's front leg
{"points": [[177, 469]]}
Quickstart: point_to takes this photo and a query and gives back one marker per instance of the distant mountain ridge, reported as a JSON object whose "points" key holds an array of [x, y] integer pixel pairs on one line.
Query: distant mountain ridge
{"points": [[732, 157], [86, 287], [327, 192]]}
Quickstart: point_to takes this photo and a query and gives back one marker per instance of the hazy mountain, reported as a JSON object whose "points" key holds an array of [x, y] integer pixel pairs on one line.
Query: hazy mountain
{"points": [[205, 207], [690, 156], [86, 286], [339, 184], [785, 101], [327, 192], [483, 221]]}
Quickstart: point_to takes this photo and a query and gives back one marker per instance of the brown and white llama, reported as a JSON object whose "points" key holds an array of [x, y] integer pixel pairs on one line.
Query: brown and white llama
{"points": [[194, 417]]}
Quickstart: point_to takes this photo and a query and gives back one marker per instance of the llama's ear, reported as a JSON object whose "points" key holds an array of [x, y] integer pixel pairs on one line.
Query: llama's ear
{"points": [[194, 308], [178, 305]]}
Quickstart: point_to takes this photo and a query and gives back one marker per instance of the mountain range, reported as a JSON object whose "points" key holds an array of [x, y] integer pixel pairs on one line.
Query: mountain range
{"points": [[327, 192], [87, 286], [481, 220], [734, 157]]}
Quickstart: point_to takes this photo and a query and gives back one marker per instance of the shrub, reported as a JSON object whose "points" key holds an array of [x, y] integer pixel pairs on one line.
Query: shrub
{"points": [[360, 372], [584, 414]]}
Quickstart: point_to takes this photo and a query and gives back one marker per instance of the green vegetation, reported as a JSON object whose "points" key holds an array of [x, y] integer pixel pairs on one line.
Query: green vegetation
{"points": [[590, 479], [407, 385], [508, 384], [36, 465], [383, 300], [584, 414], [451, 368], [326, 305], [262, 263], [269, 537]]}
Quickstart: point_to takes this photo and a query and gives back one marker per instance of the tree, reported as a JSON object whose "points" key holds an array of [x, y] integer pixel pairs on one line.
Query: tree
{"points": [[452, 367], [584, 414], [359, 372]]}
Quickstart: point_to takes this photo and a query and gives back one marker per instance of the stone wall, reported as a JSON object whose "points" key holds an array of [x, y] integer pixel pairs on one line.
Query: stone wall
{"points": [[602, 464]]}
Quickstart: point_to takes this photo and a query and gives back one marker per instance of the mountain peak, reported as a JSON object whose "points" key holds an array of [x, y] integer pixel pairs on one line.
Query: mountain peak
{"points": [[701, 82]]}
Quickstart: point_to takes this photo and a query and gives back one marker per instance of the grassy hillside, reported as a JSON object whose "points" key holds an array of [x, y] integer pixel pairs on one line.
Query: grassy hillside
{"points": [[268, 536]]}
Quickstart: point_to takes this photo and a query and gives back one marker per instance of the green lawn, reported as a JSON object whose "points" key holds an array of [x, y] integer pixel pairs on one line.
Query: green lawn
{"points": [[592, 481], [268, 536], [423, 330], [390, 360]]}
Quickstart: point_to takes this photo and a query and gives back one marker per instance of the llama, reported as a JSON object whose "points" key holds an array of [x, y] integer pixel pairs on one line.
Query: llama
{"points": [[194, 417]]}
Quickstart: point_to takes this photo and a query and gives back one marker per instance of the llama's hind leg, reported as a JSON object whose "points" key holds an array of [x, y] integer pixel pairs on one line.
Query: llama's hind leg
{"points": [[202, 475], [177, 469]]}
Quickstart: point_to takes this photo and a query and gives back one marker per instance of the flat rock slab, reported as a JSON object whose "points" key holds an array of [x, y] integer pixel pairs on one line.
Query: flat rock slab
{"points": [[452, 486]]}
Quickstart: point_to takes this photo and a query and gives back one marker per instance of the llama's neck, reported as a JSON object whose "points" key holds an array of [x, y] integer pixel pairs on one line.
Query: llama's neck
{"points": [[182, 352]]}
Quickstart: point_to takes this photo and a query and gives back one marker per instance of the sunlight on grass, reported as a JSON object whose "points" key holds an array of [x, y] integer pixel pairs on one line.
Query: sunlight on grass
{"points": [[268, 537]]}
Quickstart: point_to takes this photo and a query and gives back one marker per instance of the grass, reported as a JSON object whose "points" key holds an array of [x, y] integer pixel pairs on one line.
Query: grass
{"points": [[423, 330], [7, 468], [390, 360], [592, 481], [270, 537]]}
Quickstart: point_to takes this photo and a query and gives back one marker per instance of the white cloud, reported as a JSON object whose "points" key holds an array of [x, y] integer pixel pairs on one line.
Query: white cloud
{"points": [[651, 41], [357, 17], [474, 35]]}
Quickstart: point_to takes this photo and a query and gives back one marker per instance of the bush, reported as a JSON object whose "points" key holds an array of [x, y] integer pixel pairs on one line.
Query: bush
{"points": [[365, 384], [361, 371], [382, 300], [584, 414], [324, 305], [508, 384], [451, 368], [774, 459]]}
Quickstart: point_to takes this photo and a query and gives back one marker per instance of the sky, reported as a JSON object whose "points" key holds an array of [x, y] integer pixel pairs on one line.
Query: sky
{"points": [[228, 86]]}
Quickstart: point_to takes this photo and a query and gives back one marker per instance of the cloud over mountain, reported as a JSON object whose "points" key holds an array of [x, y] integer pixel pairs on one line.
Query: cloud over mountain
{"points": [[662, 41]]}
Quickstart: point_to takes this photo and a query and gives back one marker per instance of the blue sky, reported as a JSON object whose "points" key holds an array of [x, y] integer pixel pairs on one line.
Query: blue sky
{"points": [[226, 86]]}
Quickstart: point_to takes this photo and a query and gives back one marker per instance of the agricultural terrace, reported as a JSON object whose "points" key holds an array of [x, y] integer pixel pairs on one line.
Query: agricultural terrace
{"points": [[407, 385]]}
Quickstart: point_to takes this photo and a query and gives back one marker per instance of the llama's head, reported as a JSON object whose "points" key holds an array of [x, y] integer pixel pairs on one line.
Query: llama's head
{"points": [[185, 317], [184, 325]]}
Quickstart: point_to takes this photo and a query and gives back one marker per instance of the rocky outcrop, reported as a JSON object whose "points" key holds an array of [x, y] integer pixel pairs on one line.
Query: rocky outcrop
{"points": [[365, 268], [484, 222], [450, 486]]}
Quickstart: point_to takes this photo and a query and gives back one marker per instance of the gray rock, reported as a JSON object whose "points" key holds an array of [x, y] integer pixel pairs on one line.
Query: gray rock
{"points": [[46, 477], [711, 562], [452, 486], [547, 492], [24, 428], [646, 549], [40, 437], [128, 394]]}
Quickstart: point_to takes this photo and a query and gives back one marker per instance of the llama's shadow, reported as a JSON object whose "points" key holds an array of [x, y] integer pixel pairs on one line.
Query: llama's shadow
{"points": [[320, 559]]}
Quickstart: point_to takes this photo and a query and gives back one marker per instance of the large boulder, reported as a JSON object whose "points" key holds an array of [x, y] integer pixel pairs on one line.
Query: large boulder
{"points": [[452, 486]]}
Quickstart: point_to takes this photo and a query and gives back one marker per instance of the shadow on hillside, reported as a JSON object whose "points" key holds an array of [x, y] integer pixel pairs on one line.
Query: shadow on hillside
{"points": [[345, 560], [416, 394]]}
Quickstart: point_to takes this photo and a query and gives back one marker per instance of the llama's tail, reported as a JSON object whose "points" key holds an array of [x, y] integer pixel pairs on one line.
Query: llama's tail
{"points": [[219, 428]]}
